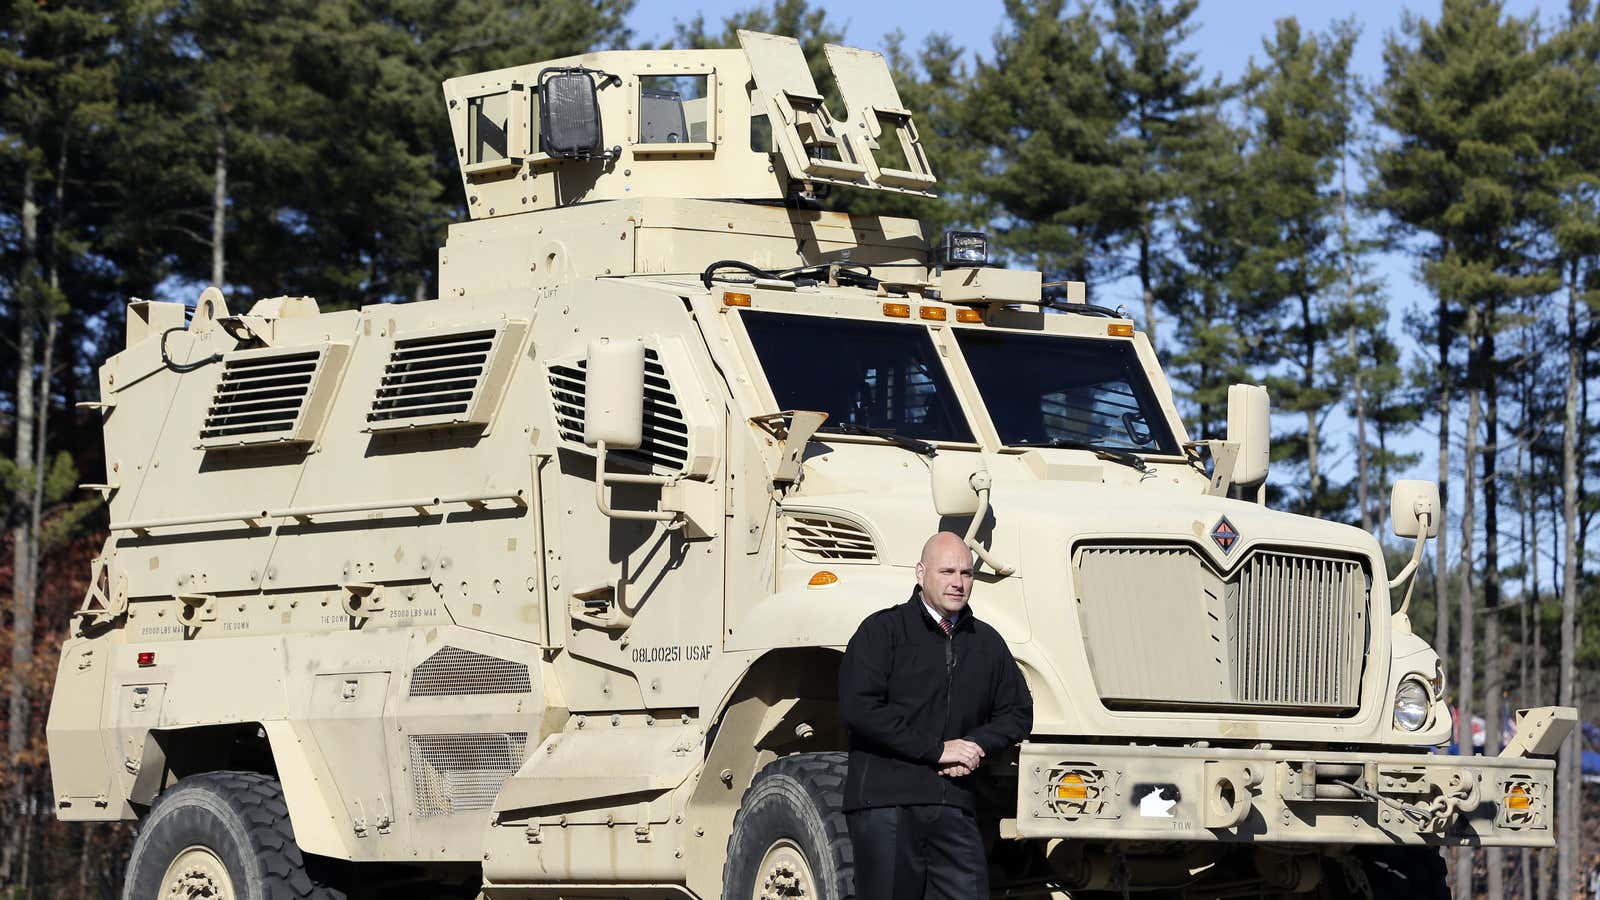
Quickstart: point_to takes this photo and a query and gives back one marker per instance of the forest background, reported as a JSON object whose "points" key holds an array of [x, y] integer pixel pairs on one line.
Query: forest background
{"points": [[150, 147]]}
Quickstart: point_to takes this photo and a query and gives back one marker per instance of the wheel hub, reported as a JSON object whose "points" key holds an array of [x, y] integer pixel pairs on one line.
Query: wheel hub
{"points": [[784, 874], [197, 874]]}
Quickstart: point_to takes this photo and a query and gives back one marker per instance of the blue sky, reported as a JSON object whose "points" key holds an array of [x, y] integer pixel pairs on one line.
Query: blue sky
{"points": [[1228, 32]]}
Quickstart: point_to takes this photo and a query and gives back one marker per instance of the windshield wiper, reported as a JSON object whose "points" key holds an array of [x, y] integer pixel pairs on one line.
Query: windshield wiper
{"points": [[888, 434], [1112, 454]]}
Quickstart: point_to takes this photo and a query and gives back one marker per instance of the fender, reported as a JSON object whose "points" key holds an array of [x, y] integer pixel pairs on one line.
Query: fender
{"points": [[319, 820]]}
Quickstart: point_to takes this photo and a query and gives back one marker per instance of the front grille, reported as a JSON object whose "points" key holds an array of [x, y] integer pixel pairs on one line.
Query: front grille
{"points": [[1301, 629], [1280, 632]]}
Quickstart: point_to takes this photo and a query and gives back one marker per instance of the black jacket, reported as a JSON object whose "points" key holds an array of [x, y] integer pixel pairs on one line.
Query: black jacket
{"points": [[905, 689]]}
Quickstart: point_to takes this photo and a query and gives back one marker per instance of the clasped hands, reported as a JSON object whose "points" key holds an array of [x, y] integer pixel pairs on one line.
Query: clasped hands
{"points": [[960, 758]]}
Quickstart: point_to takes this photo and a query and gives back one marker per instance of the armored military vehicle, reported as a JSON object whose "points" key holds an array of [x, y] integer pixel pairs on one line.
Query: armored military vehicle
{"points": [[541, 587]]}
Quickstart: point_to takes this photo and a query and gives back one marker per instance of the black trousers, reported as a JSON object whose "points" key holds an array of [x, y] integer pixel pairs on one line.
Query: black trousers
{"points": [[918, 853]]}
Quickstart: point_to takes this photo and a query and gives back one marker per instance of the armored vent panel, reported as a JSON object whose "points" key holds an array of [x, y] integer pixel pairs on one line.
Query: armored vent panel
{"points": [[819, 538], [666, 428], [452, 773], [454, 672], [272, 396], [444, 378]]}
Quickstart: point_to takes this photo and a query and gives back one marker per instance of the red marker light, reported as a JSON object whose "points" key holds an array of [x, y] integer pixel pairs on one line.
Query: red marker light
{"points": [[147, 658]]}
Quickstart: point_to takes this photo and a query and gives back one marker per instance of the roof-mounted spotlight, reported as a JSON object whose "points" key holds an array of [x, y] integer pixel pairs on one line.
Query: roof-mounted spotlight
{"points": [[963, 249]]}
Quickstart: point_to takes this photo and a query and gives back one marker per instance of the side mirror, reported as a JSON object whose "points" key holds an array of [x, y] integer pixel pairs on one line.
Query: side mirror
{"points": [[1250, 427], [569, 114], [1409, 502], [952, 486], [614, 394]]}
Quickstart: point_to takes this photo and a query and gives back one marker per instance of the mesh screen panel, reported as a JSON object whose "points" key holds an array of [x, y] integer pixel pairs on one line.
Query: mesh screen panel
{"points": [[453, 773], [453, 671]]}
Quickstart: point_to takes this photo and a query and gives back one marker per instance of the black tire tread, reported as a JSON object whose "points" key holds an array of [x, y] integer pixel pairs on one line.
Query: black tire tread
{"points": [[822, 775], [259, 801]]}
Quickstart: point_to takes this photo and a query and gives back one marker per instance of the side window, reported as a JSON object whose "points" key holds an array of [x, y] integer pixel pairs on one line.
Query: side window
{"points": [[676, 109]]}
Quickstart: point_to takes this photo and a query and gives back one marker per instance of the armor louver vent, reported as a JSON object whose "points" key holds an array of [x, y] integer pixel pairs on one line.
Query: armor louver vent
{"points": [[452, 773], [444, 378], [826, 539], [271, 396], [456, 672], [666, 429]]}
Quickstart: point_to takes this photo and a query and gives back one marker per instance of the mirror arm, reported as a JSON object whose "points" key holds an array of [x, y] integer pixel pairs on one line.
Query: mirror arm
{"points": [[603, 478], [1405, 574], [981, 483]]}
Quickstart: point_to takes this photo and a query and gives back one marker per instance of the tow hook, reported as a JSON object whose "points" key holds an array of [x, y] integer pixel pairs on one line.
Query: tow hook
{"points": [[1460, 795]]}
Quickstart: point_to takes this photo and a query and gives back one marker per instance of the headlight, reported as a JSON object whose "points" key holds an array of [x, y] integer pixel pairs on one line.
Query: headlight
{"points": [[1411, 703]]}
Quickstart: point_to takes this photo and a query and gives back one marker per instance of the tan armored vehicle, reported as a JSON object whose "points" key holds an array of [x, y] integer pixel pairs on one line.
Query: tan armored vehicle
{"points": [[540, 588]]}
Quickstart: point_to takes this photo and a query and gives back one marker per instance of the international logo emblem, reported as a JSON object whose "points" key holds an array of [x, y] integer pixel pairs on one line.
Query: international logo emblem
{"points": [[1225, 534]]}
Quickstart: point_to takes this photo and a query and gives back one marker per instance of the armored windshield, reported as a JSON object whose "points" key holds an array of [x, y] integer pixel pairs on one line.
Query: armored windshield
{"points": [[1042, 390], [867, 374]]}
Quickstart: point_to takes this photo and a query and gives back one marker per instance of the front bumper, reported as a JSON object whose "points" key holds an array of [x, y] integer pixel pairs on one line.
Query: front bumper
{"points": [[1084, 791]]}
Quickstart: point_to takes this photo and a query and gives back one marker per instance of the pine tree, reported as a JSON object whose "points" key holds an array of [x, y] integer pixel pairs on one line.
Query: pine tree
{"points": [[1463, 175], [1572, 85], [1301, 115], [1163, 103], [1048, 163], [57, 71], [1203, 284]]}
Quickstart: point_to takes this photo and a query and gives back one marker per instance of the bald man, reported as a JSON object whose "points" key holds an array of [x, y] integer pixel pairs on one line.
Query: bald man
{"points": [[929, 695]]}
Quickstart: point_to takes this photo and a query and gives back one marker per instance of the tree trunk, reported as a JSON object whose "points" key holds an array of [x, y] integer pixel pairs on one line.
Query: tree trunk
{"points": [[1145, 285], [1568, 805], [1467, 674], [219, 211], [1362, 463], [23, 595], [1441, 553], [1493, 657]]}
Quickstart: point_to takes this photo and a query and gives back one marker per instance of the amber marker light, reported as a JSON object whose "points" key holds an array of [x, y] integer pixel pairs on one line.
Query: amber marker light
{"points": [[1120, 329], [969, 316], [823, 579], [931, 313], [897, 310], [1072, 787], [732, 299], [1518, 798]]}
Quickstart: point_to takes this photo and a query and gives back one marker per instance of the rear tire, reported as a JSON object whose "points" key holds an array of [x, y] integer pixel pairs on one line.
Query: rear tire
{"points": [[1416, 873], [222, 835], [789, 838]]}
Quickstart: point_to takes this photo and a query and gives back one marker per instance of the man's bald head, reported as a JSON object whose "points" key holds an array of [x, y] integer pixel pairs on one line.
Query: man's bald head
{"points": [[945, 572]]}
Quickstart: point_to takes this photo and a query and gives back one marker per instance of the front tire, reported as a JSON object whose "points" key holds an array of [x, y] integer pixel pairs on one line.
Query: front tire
{"points": [[221, 836], [789, 838]]}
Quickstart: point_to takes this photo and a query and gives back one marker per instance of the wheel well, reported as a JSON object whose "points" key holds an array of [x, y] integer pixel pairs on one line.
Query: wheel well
{"points": [[237, 747], [799, 689], [175, 753], [786, 702]]}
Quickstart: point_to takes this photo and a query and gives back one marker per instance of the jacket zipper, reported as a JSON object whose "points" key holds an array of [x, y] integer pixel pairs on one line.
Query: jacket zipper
{"points": [[949, 684]]}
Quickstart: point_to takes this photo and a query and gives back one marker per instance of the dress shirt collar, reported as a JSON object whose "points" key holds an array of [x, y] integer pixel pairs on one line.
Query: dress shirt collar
{"points": [[935, 615]]}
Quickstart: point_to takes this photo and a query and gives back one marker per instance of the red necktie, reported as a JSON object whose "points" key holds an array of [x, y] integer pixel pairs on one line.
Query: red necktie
{"points": [[945, 626]]}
